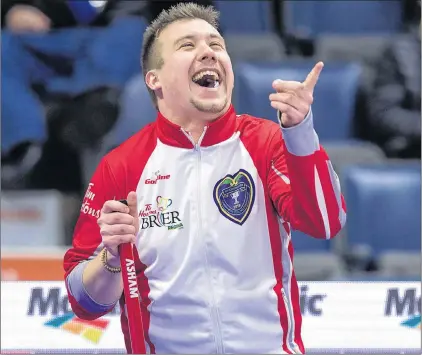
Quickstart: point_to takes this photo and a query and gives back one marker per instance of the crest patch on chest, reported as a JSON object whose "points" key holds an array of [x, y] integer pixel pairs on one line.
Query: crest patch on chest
{"points": [[234, 196]]}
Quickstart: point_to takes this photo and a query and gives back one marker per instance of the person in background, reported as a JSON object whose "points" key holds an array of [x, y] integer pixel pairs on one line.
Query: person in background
{"points": [[64, 64], [38, 16], [395, 101]]}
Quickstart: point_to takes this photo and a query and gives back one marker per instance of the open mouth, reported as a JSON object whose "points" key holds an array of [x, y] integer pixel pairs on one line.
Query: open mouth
{"points": [[207, 79]]}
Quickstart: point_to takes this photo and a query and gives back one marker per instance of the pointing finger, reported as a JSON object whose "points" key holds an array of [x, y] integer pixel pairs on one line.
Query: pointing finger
{"points": [[313, 76]]}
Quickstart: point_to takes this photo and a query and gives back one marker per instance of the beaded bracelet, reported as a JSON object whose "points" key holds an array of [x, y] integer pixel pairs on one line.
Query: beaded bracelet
{"points": [[113, 270]]}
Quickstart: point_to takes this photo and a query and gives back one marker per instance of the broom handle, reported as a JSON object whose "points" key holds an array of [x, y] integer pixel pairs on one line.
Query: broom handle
{"points": [[132, 297]]}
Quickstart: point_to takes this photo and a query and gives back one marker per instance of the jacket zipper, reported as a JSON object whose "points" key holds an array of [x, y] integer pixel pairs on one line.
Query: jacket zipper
{"points": [[214, 312]]}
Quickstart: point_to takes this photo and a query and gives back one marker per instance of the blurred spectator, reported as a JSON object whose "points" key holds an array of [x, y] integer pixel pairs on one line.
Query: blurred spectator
{"points": [[395, 103], [64, 65], [42, 15], [411, 11]]}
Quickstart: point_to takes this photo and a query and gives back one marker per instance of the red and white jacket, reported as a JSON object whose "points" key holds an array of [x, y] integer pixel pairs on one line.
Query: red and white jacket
{"points": [[215, 254]]}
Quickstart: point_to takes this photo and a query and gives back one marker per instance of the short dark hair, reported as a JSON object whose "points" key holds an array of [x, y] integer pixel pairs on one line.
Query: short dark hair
{"points": [[150, 57]]}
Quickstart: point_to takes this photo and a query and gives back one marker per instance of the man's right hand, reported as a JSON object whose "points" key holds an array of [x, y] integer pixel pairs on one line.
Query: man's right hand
{"points": [[118, 224]]}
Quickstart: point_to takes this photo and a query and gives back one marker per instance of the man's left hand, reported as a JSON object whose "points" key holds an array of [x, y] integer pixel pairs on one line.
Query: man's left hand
{"points": [[293, 98]]}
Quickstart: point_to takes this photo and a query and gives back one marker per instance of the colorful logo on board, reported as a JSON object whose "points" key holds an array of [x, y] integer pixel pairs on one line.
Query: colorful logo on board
{"points": [[91, 330], [412, 322]]}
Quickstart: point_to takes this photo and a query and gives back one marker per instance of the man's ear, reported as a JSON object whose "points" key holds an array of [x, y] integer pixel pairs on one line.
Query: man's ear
{"points": [[152, 80]]}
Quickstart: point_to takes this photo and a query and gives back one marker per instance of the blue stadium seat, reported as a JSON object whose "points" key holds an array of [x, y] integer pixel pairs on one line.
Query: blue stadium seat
{"points": [[334, 96], [121, 64], [137, 110], [245, 16], [312, 18], [384, 207]]}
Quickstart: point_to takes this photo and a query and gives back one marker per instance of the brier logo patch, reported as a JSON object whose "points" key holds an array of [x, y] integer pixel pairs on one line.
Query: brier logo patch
{"points": [[159, 215]]}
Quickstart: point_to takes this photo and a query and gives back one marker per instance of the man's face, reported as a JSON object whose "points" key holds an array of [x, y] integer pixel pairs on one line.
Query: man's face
{"points": [[197, 73]]}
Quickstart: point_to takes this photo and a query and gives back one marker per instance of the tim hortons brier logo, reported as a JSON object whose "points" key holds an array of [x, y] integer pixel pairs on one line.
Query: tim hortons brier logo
{"points": [[158, 215]]}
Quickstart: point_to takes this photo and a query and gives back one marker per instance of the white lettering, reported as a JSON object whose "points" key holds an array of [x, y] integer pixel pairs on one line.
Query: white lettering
{"points": [[131, 275], [86, 209], [89, 194], [129, 263], [133, 289]]}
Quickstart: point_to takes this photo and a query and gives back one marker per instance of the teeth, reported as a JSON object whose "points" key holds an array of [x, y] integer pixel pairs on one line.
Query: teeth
{"points": [[206, 72]]}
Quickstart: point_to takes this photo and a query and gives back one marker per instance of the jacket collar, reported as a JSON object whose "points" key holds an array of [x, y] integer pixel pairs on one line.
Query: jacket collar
{"points": [[216, 132]]}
